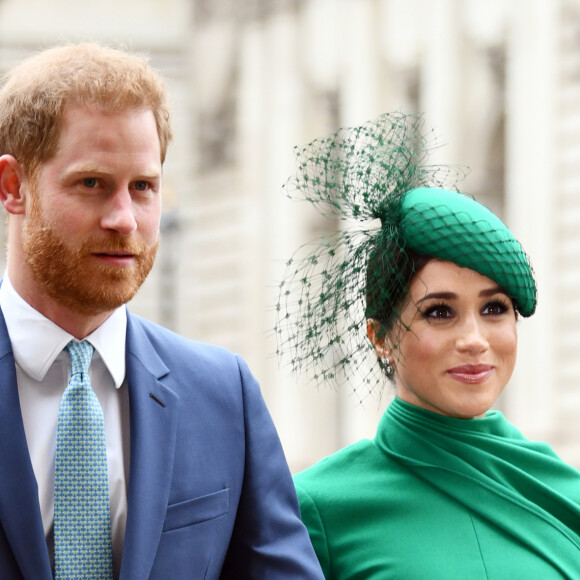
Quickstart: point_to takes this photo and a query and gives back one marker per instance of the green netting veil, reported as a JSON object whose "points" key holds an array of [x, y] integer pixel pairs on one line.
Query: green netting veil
{"points": [[388, 204]]}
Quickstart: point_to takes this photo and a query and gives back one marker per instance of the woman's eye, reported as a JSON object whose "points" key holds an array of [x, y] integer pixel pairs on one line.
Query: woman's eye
{"points": [[495, 308], [438, 312], [90, 182]]}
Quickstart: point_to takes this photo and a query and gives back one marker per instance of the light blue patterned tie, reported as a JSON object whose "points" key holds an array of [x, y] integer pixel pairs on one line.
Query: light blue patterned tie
{"points": [[82, 521]]}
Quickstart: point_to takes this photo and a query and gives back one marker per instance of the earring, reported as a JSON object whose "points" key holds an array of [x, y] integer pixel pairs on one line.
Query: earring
{"points": [[388, 368]]}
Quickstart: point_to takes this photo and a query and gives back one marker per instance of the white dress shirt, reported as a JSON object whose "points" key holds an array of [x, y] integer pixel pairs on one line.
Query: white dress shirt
{"points": [[42, 371]]}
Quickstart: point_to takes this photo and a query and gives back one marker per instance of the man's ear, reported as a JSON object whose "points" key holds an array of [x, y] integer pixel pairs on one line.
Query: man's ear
{"points": [[12, 194]]}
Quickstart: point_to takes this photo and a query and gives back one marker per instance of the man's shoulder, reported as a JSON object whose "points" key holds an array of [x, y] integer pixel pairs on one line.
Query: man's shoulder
{"points": [[169, 344], [215, 371]]}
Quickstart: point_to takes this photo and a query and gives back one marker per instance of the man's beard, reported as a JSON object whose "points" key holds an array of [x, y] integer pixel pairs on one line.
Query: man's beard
{"points": [[73, 278]]}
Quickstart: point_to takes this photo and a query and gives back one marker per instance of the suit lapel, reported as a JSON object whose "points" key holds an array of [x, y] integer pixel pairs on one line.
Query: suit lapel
{"points": [[19, 508], [153, 425]]}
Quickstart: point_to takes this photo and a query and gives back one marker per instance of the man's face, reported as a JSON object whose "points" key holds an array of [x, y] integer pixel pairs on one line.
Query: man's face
{"points": [[92, 225]]}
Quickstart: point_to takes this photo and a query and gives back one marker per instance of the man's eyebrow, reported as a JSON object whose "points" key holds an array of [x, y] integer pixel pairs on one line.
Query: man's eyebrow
{"points": [[82, 168], [148, 173]]}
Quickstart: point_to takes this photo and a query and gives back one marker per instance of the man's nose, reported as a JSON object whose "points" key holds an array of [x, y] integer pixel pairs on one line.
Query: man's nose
{"points": [[119, 213]]}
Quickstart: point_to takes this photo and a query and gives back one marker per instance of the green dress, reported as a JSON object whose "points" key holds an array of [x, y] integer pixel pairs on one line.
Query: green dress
{"points": [[439, 498]]}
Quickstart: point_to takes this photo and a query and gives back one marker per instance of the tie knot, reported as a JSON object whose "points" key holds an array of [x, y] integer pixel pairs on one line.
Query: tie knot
{"points": [[80, 354]]}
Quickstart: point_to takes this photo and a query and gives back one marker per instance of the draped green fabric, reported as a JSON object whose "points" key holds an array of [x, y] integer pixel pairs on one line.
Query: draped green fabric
{"points": [[443, 498]]}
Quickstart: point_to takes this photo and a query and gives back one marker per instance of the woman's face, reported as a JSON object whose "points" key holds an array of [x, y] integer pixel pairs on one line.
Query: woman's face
{"points": [[456, 348]]}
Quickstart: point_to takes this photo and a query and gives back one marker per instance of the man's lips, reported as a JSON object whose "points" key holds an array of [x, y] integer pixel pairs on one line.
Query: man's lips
{"points": [[472, 373], [115, 257]]}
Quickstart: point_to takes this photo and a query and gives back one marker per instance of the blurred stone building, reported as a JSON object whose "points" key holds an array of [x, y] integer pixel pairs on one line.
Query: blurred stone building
{"points": [[499, 79]]}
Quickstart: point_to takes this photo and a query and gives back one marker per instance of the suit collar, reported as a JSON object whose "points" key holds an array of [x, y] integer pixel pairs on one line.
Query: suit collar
{"points": [[154, 413], [19, 508]]}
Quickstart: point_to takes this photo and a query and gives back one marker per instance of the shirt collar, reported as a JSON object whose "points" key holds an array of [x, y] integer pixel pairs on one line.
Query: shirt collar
{"points": [[37, 341]]}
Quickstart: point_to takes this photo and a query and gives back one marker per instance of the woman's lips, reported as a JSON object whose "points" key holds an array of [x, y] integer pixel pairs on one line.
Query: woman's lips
{"points": [[471, 374]]}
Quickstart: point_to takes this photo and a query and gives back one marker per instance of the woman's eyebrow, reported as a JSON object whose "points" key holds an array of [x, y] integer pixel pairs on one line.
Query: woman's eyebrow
{"points": [[452, 295], [438, 295], [492, 291]]}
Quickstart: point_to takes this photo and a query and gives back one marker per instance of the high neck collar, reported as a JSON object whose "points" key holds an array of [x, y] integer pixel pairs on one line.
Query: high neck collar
{"points": [[493, 423]]}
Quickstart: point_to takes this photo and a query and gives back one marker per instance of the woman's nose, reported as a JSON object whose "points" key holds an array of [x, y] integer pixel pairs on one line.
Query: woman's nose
{"points": [[471, 336]]}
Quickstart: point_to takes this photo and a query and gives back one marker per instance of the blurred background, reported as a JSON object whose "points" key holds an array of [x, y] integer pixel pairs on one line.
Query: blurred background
{"points": [[251, 79]]}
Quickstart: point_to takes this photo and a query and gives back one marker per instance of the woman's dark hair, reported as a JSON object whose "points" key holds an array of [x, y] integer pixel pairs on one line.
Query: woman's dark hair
{"points": [[388, 283]]}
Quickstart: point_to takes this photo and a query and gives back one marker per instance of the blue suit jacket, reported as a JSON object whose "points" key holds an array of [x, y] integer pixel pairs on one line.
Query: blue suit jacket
{"points": [[210, 494]]}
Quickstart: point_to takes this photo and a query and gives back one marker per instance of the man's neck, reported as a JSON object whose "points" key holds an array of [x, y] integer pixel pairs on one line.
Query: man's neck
{"points": [[79, 324]]}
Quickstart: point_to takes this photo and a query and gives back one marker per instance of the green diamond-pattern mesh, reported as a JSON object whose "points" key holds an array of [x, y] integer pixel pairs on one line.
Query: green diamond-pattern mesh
{"points": [[454, 227], [358, 175]]}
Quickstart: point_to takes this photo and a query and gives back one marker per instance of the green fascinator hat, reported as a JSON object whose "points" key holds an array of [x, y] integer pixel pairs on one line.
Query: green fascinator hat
{"points": [[386, 206], [451, 226]]}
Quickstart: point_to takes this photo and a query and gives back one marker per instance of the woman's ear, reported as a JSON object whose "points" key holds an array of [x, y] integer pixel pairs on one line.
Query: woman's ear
{"points": [[11, 181], [377, 336], [380, 340]]}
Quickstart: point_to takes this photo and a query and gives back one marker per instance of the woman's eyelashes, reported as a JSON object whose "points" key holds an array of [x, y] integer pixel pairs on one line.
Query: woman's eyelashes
{"points": [[444, 311], [496, 307], [439, 311]]}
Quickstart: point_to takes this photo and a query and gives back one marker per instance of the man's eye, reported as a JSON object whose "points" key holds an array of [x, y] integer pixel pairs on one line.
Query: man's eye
{"points": [[141, 185], [90, 182]]}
